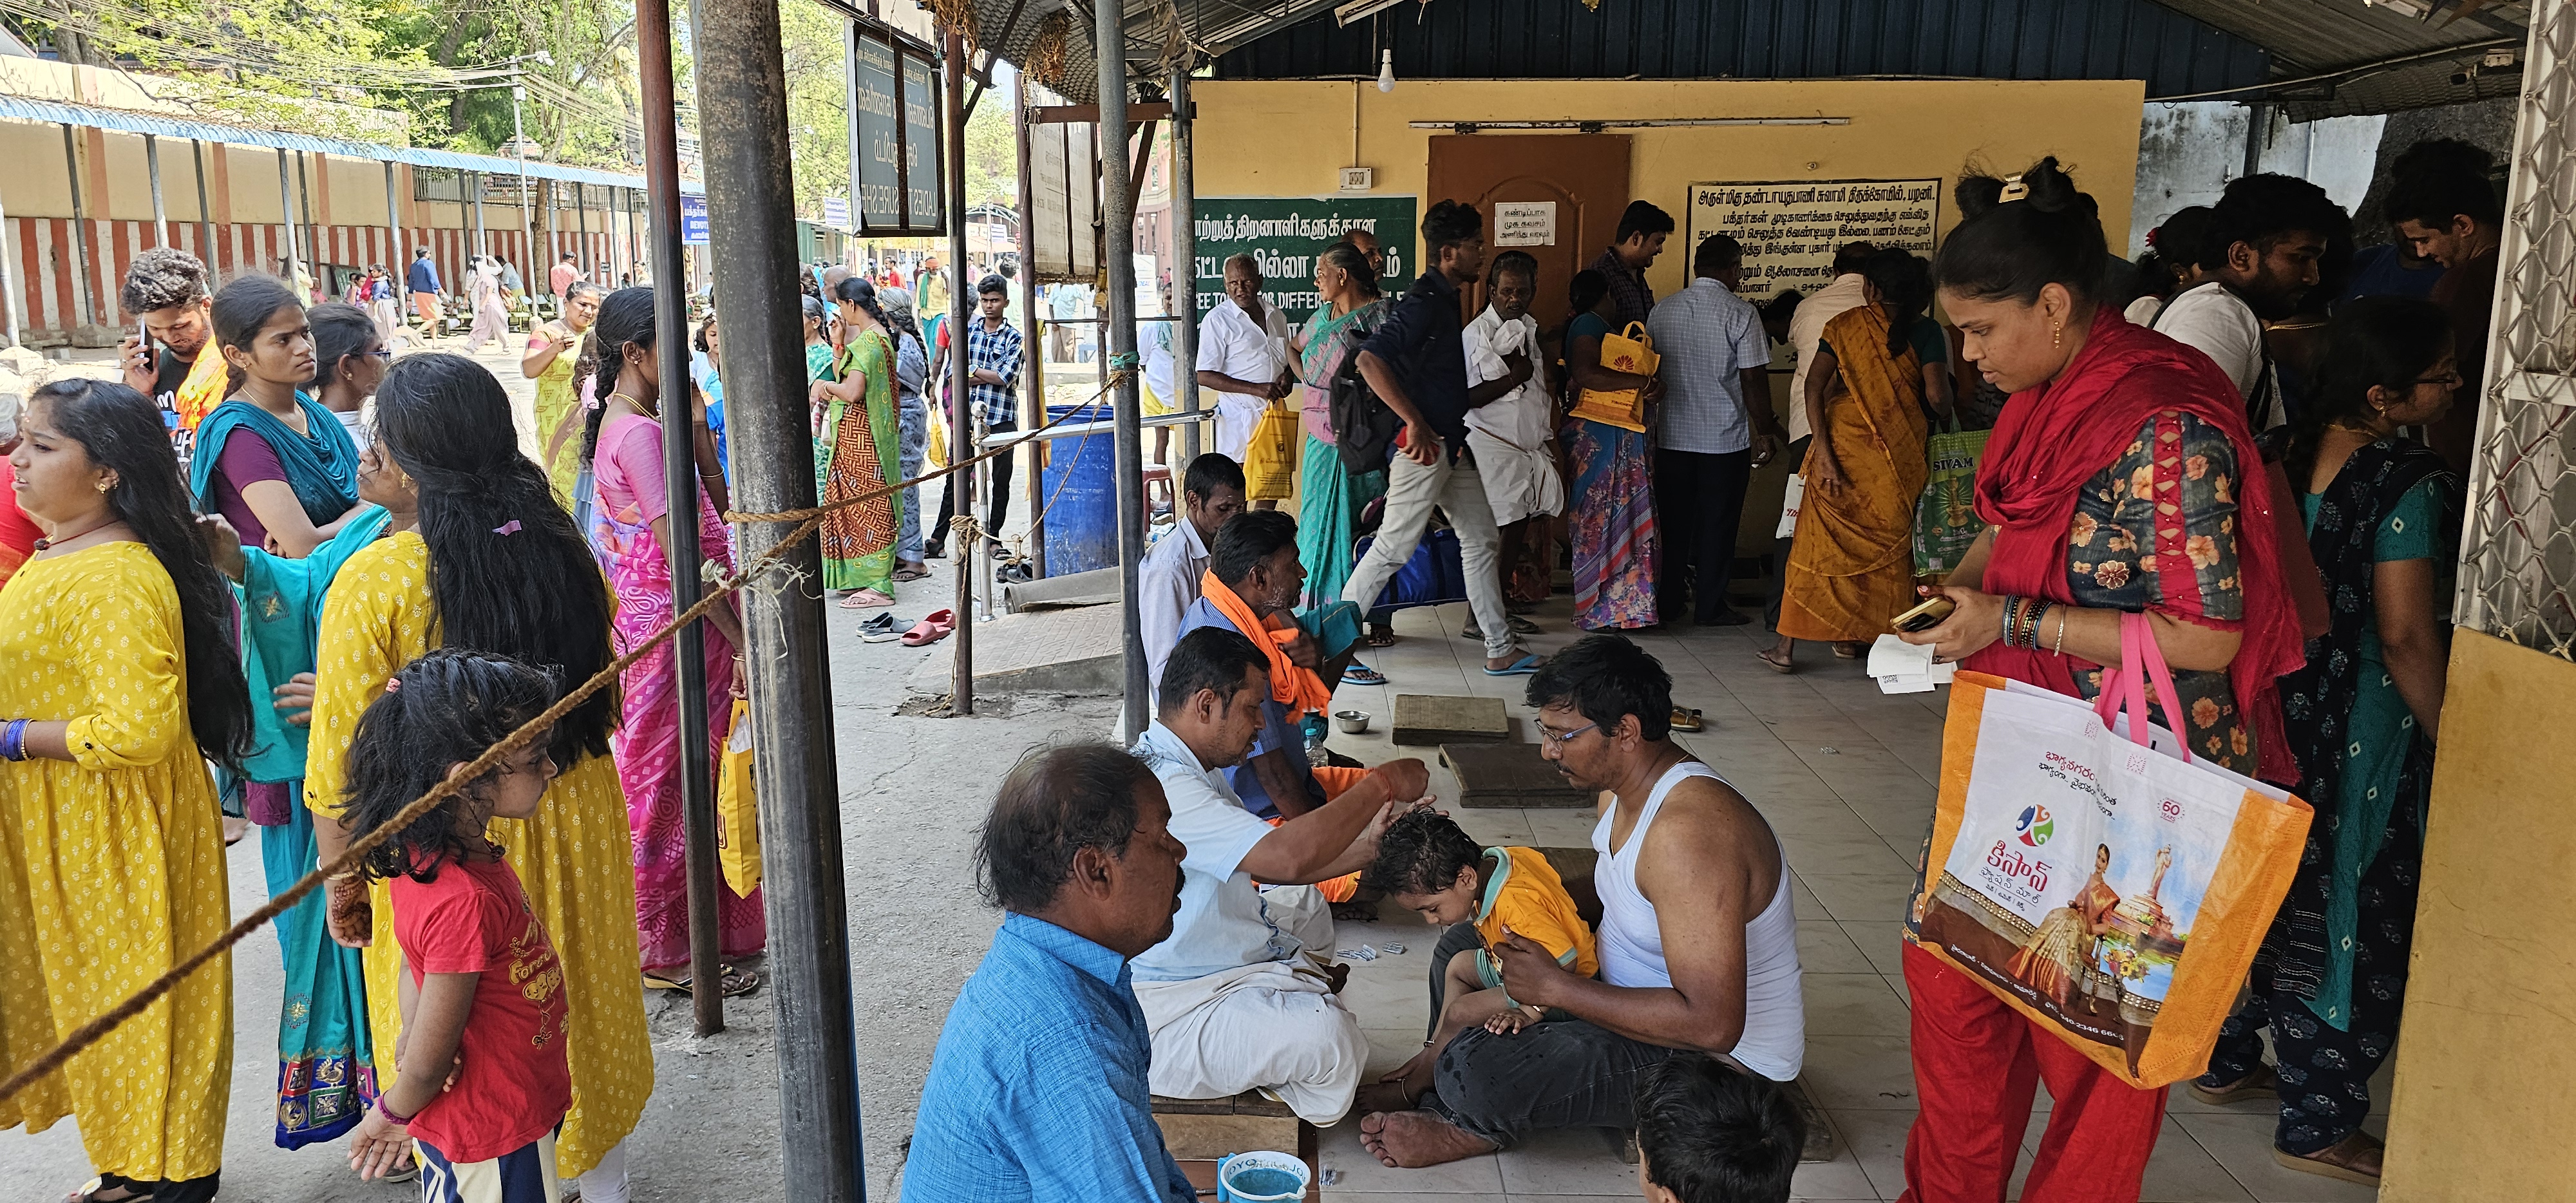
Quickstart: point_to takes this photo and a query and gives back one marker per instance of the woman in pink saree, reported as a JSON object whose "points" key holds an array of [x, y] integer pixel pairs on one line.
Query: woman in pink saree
{"points": [[631, 526]]}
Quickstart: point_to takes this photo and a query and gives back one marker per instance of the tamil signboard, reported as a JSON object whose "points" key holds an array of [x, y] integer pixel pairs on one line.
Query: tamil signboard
{"points": [[1790, 229], [894, 132], [1284, 234], [693, 219]]}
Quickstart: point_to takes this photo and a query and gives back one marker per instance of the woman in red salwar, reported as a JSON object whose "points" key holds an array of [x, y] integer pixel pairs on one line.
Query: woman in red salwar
{"points": [[2121, 478]]}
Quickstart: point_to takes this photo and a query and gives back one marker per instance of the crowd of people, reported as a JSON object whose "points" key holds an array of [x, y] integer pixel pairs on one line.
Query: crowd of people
{"points": [[2240, 437], [2250, 438]]}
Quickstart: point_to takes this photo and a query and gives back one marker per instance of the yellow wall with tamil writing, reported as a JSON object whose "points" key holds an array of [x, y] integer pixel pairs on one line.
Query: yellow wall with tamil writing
{"points": [[1261, 138]]}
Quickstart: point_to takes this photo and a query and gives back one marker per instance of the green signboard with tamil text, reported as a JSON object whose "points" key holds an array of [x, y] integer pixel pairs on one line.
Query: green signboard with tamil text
{"points": [[1286, 233]]}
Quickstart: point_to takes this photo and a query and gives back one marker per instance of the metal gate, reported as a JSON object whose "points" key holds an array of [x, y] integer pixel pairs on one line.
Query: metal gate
{"points": [[2518, 557]]}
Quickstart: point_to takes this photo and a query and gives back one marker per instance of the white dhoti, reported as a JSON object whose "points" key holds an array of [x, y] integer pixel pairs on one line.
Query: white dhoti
{"points": [[1519, 484], [1236, 418], [1273, 1025]]}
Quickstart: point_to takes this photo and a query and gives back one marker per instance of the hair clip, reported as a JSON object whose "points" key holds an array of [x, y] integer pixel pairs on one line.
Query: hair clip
{"points": [[510, 527], [393, 684], [2014, 189]]}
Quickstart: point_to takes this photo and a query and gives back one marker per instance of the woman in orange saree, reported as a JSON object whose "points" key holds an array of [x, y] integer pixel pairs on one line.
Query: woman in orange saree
{"points": [[1851, 562]]}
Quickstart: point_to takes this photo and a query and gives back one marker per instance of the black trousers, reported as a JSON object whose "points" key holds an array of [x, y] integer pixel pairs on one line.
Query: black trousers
{"points": [[1780, 547], [1699, 503], [1563, 1073], [997, 506]]}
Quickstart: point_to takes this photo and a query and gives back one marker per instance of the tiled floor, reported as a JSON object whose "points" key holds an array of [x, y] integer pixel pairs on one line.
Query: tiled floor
{"points": [[1845, 776]]}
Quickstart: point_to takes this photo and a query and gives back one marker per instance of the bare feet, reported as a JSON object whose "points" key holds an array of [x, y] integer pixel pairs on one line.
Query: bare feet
{"points": [[1420, 1061], [1412, 1139], [1387, 1094]]}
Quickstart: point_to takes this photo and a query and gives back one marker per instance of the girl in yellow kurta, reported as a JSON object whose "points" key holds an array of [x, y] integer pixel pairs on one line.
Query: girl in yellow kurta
{"points": [[495, 561], [119, 686]]}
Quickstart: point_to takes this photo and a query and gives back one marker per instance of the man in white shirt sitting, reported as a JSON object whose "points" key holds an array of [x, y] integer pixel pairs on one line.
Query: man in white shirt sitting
{"points": [[1509, 415], [1244, 993], [2267, 233], [1243, 356], [1167, 579]]}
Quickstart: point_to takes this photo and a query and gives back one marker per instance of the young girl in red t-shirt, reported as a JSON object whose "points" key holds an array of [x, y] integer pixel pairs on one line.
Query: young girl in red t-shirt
{"points": [[482, 1083]]}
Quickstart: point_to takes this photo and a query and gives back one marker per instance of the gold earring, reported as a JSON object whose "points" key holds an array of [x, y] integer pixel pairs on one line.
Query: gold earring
{"points": [[2056, 334], [104, 486]]}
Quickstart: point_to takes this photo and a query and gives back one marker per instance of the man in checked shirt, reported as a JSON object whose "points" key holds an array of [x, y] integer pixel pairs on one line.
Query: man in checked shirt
{"points": [[993, 356]]}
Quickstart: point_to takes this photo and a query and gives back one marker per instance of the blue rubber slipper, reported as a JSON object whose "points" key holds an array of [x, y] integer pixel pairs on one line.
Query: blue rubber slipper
{"points": [[1361, 674], [1519, 668]]}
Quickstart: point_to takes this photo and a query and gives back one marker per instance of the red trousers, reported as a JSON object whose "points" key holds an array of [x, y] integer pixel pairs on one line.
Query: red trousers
{"points": [[1976, 1062]]}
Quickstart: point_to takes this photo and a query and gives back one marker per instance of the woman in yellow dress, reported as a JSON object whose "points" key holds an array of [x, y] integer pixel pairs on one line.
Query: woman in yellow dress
{"points": [[553, 350], [495, 565], [121, 685]]}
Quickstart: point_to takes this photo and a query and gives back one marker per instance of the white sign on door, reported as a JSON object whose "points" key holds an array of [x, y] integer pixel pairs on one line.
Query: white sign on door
{"points": [[1524, 223]]}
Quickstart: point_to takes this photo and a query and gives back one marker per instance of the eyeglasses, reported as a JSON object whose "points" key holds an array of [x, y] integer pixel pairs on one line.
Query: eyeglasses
{"points": [[1558, 741]]}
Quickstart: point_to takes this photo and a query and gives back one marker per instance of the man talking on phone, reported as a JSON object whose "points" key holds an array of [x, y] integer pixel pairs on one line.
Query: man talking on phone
{"points": [[185, 375]]}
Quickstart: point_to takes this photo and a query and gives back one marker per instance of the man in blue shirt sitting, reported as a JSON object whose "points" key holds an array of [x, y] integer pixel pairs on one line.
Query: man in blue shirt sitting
{"points": [[1038, 1087], [1416, 363]]}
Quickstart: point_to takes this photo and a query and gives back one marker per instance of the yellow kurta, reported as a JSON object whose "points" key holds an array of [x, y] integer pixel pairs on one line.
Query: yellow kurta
{"points": [[554, 400], [575, 857], [122, 859]]}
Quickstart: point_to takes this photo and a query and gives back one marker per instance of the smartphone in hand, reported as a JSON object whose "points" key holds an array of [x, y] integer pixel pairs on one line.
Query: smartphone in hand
{"points": [[1926, 616]]}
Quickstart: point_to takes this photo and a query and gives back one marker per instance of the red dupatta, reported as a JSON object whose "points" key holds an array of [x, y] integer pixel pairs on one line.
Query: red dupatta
{"points": [[2051, 440]]}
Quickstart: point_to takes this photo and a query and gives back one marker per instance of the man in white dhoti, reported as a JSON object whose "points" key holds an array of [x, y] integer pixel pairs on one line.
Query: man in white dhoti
{"points": [[1242, 995], [1243, 356], [1509, 410]]}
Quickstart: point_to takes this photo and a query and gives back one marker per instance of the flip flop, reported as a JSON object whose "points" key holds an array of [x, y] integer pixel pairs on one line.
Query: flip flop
{"points": [[735, 982], [1522, 626], [1765, 657], [1361, 674], [933, 627], [1685, 719], [1518, 668], [1385, 638], [865, 599]]}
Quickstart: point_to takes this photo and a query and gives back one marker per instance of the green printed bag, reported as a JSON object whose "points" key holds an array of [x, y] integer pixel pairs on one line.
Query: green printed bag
{"points": [[1945, 517]]}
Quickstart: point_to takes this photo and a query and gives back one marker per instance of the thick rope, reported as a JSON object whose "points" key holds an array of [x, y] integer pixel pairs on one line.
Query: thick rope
{"points": [[492, 758]]}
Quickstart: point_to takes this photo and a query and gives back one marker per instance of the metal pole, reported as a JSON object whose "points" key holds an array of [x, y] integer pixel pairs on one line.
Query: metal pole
{"points": [[80, 242], [519, 151], [394, 260], [961, 308], [1035, 360], [152, 165], [482, 241], [286, 212], [312, 243], [206, 214], [680, 473], [1185, 268], [1118, 341], [751, 203], [10, 300]]}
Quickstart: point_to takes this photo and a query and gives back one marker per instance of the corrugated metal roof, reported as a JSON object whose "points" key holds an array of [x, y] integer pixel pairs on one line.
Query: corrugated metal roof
{"points": [[2311, 38], [1213, 26], [1766, 39], [57, 112]]}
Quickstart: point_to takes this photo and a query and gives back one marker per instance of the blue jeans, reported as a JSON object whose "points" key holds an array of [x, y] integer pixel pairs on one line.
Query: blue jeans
{"points": [[913, 419]]}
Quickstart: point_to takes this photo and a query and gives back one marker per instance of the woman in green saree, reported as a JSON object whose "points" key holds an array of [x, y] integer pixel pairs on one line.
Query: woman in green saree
{"points": [[855, 447]]}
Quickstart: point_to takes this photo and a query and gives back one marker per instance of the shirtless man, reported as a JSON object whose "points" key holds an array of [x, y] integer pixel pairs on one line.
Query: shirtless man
{"points": [[1698, 938]]}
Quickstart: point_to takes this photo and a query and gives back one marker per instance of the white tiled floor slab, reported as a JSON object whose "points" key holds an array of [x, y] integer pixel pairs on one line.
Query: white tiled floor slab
{"points": [[1852, 819]]}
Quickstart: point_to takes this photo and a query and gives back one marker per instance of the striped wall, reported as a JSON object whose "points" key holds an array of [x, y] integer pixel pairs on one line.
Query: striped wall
{"points": [[47, 298]]}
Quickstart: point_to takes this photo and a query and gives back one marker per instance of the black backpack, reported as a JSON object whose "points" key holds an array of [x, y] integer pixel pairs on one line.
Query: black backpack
{"points": [[1363, 426]]}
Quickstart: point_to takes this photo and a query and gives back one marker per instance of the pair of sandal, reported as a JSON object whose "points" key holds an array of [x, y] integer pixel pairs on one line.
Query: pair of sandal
{"points": [[736, 982], [2356, 1158]]}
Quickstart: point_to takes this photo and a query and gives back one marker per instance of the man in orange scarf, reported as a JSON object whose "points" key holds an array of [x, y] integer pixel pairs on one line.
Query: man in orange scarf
{"points": [[186, 378], [1252, 583]]}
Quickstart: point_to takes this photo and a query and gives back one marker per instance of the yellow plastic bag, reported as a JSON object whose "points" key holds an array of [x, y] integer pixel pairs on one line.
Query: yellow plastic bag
{"points": [[1624, 408], [738, 808], [1270, 462], [934, 454]]}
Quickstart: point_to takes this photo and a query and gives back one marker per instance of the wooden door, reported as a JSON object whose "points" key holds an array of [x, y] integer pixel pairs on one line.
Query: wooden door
{"points": [[1585, 176]]}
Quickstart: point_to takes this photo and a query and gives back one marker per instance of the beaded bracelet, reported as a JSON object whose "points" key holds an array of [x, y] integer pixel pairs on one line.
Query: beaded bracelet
{"points": [[13, 740], [2012, 602]]}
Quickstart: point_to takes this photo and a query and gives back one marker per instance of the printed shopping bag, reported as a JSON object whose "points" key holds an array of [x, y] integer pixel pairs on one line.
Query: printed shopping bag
{"points": [[1945, 517], [1789, 501], [1270, 460], [2094, 875], [737, 808], [1624, 408]]}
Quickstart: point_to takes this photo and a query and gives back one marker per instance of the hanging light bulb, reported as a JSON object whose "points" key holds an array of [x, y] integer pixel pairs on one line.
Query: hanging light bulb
{"points": [[1386, 71]]}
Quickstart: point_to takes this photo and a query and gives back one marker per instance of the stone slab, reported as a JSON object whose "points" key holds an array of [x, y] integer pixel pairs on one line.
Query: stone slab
{"points": [[1074, 651], [1423, 719], [1510, 774]]}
